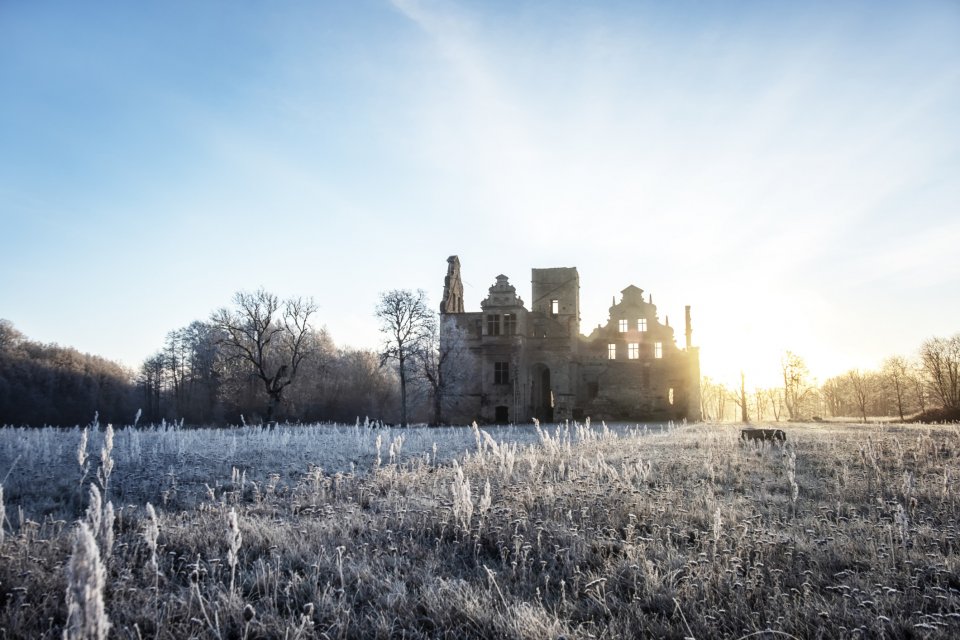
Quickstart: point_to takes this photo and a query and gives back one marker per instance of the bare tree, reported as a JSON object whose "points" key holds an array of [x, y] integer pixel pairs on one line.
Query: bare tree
{"points": [[775, 396], [445, 363], [860, 391], [721, 398], [271, 336], [896, 373], [796, 386], [759, 402], [175, 359], [706, 397], [713, 399], [834, 393], [408, 325], [918, 385], [744, 406], [150, 380], [941, 362], [739, 398]]}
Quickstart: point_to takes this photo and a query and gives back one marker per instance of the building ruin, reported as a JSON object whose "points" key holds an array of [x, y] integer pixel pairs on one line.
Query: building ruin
{"points": [[525, 364]]}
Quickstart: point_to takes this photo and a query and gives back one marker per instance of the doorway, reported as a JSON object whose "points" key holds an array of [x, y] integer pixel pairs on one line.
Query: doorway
{"points": [[541, 393]]}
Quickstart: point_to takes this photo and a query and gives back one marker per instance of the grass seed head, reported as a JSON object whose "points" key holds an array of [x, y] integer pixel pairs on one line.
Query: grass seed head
{"points": [[86, 578]]}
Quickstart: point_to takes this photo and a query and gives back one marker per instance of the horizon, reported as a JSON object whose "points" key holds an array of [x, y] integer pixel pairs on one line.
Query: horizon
{"points": [[790, 172]]}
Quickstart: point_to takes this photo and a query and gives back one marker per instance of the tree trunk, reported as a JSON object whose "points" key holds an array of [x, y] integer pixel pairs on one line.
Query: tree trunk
{"points": [[900, 401], [403, 392], [743, 399]]}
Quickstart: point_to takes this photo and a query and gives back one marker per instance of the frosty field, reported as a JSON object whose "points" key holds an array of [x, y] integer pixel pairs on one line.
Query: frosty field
{"points": [[576, 532], [177, 468]]}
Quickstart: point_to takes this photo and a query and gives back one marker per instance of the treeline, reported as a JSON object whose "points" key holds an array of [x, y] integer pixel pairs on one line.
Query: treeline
{"points": [[261, 359], [198, 377], [925, 387], [195, 377], [46, 384], [258, 360]]}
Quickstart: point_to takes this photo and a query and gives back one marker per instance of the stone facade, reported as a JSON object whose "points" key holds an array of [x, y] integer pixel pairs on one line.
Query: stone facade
{"points": [[536, 364]]}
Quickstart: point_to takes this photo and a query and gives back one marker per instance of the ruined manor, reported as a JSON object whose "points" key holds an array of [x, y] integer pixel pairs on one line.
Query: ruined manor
{"points": [[523, 364]]}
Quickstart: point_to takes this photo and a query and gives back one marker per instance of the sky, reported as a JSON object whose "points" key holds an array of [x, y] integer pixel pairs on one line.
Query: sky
{"points": [[790, 170]]}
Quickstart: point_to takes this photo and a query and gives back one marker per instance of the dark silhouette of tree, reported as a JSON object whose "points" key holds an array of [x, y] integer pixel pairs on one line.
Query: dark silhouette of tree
{"points": [[270, 336], [150, 381]]}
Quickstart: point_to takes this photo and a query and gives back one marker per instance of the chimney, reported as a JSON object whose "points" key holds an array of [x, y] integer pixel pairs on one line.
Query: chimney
{"points": [[689, 330]]}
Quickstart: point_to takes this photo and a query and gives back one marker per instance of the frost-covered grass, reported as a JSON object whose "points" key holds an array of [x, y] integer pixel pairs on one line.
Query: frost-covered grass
{"points": [[177, 468], [849, 531]]}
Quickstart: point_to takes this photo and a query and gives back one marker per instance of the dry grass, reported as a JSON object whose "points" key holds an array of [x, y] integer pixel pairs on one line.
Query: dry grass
{"points": [[847, 532]]}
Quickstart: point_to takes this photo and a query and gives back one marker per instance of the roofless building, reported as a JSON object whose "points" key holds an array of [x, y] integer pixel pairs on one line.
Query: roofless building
{"points": [[535, 363]]}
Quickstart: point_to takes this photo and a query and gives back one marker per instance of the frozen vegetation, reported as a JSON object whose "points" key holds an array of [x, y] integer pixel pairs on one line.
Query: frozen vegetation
{"points": [[177, 467], [518, 532]]}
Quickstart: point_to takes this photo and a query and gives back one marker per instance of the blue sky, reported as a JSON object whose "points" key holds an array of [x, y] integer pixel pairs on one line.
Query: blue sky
{"points": [[792, 170]]}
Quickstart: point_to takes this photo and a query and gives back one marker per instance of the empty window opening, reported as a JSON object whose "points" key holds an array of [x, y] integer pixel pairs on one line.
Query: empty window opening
{"points": [[642, 324], [658, 350], [633, 351], [623, 325], [611, 352], [501, 373], [593, 390], [509, 324], [493, 325], [554, 306]]}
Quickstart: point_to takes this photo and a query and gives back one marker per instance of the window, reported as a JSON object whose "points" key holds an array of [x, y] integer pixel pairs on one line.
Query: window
{"points": [[611, 352], [501, 373], [554, 306], [670, 395], [633, 350], [509, 324], [623, 325], [642, 324], [493, 324], [593, 390], [657, 349]]}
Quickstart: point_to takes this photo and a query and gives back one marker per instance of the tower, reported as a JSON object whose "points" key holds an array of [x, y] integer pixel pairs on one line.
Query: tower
{"points": [[452, 288], [556, 293]]}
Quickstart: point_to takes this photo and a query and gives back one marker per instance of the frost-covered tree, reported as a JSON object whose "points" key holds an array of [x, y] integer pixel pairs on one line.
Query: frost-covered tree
{"points": [[272, 336], [896, 375], [445, 364], [408, 325], [860, 389], [10, 337], [796, 384], [941, 363]]}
